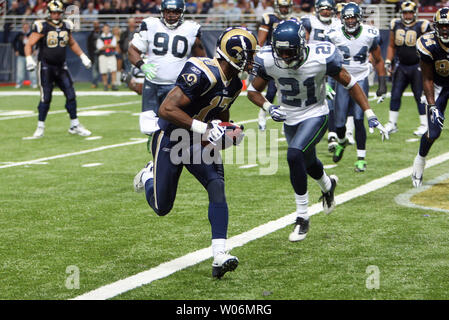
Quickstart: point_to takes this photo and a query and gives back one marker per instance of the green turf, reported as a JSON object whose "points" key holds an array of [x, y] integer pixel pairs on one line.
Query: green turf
{"points": [[61, 214]]}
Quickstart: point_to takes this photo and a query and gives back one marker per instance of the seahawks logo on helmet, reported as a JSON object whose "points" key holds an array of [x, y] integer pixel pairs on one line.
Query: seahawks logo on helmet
{"points": [[324, 5], [280, 12], [237, 45], [172, 13], [351, 10], [441, 24], [289, 44], [408, 6]]}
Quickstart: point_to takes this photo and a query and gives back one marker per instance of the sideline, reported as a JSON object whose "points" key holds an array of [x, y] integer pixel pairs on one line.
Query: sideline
{"points": [[188, 260]]}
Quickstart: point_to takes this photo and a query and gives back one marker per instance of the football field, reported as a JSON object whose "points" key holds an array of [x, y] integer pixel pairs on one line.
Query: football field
{"points": [[72, 226]]}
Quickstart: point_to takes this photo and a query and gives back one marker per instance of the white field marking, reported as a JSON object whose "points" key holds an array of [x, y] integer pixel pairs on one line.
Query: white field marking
{"points": [[281, 139], [15, 112], [404, 198], [94, 138], [412, 140], [89, 165], [329, 166], [65, 155], [247, 166], [165, 269], [79, 109]]}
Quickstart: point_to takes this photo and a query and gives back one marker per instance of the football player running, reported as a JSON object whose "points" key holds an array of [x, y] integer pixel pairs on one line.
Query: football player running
{"points": [[283, 9], [316, 28], [300, 71], [168, 42], [404, 32], [356, 41], [204, 91], [432, 51], [52, 36]]}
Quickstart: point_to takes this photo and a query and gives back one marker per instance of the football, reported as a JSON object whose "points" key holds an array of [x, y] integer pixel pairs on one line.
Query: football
{"points": [[233, 136]]}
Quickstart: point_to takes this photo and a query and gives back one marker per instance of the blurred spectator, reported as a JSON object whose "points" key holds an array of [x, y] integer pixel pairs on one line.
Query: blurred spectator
{"points": [[93, 52], [125, 38], [107, 62], [204, 6], [156, 7], [18, 44], [260, 7], [90, 10], [40, 8], [24, 7], [234, 12], [191, 7], [144, 6], [308, 5], [118, 54], [244, 7], [107, 9], [124, 8]]}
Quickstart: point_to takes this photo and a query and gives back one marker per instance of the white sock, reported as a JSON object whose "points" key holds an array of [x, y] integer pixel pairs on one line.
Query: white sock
{"points": [[350, 124], [361, 153], [423, 120], [218, 246], [302, 202], [261, 117], [324, 182], [418, 165], [393, 116], [41, 124], [74, 122]]}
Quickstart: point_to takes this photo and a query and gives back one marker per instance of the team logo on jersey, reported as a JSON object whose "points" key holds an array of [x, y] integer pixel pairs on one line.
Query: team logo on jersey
{"points": [[190, 78]]}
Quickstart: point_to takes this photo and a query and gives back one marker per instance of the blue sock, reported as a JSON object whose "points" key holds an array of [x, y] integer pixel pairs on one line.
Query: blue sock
{"points": [[218, 218]]}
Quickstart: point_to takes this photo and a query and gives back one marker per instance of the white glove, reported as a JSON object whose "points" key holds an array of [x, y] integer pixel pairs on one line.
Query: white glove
{"points": [[214, 131], [31, 64], [86, 61]]}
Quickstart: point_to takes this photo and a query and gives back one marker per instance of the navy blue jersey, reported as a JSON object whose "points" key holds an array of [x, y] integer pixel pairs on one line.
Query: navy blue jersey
{"points": [[405, 37], [52, 46], [433, 51], [203, 82], [270, 21]]}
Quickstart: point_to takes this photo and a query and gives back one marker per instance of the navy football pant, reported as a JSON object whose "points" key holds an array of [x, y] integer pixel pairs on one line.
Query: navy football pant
{"points": [[48, 76], [434, 130], [301, 154], [403, 76], [161, 190], [153, 95]]}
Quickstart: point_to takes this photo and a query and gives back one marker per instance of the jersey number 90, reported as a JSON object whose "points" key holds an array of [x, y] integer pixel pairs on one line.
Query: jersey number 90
{"points": [[179, 45]]}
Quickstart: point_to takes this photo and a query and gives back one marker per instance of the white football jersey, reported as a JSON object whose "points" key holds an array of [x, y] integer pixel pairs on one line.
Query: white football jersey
{"points": [[356, 49], [168, 48], [317, 30], [302, 91]]}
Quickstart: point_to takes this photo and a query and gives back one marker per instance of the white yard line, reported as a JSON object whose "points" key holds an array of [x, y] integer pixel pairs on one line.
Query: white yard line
{"points": [[65, 155], [100, 106], [165, 269]]}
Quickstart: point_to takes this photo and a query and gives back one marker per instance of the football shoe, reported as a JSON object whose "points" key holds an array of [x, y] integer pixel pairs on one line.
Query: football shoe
{"points": [[39, 133], [422, 129], [223, 262], [391, 127], [300, 230], [79, 130], [327, 198], [418, 171], [139, 184], [360, 166]]}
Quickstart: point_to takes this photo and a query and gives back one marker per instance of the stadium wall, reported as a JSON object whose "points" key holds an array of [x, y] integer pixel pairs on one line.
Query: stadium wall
{"points": [[81, 74]]}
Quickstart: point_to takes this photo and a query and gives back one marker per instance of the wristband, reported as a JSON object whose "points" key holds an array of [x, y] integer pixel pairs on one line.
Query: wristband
{"points": [[198, 126], [369, 113], [139, 63], [29, 59], [387, 61], [266, 106], [83, 55]]}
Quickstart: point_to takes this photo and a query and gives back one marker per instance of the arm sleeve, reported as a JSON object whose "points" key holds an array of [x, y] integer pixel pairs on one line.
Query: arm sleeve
{"points": [[334, 63], [260, 69], [140, 38]]}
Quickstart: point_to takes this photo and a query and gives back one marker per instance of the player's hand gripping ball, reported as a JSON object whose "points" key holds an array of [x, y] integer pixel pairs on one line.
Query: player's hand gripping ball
{"points": [[232, 136]]}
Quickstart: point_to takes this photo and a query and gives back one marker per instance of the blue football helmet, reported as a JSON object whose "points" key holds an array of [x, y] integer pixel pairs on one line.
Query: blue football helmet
{"points": [[350, 11], [288, 44], [441, 24], [237, 45], [172, 13], [323, 5]]}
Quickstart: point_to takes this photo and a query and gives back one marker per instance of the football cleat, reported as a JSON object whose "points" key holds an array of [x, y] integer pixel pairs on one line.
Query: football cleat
{"points": [[79, 130], [422, 129], [339, 150], [328, 197], [360, 166], [418, 171], [262, 127], [139, 184], [300, 231], [331, 144], [223, 263], [39, 133], [391, 127]]}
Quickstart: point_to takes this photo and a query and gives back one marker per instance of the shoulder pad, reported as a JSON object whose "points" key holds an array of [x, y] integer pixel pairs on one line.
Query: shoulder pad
{"points": [[69, 24], [266, 18], [425, 25], [200, 66], [38, 26], [393, 23]]}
